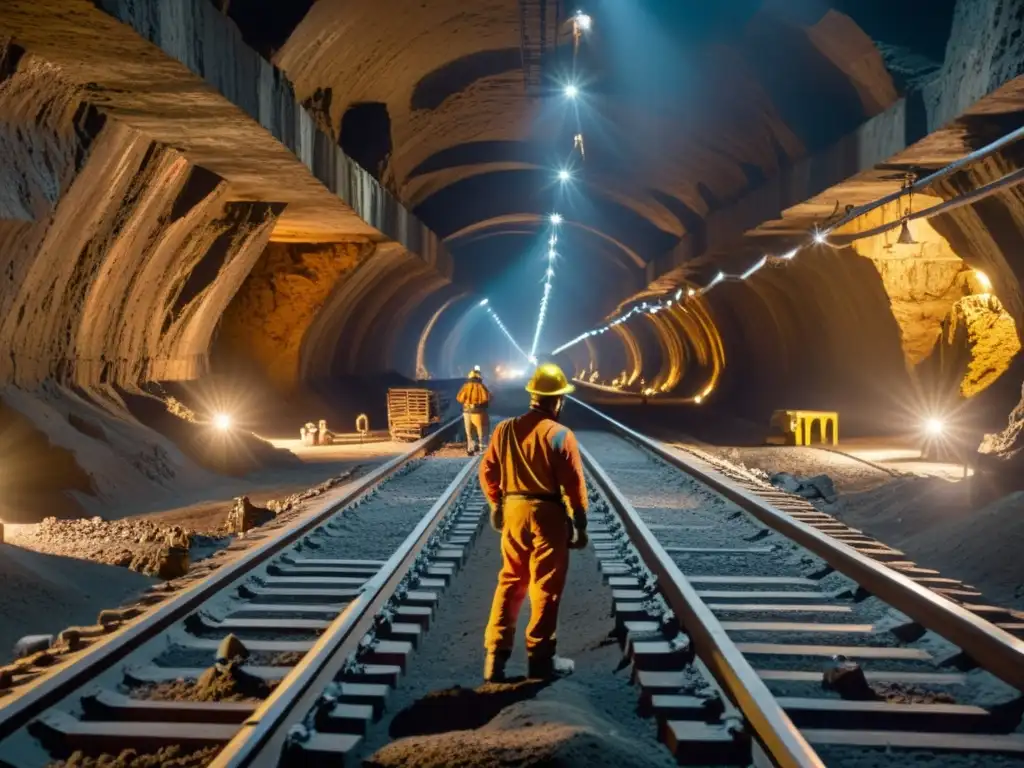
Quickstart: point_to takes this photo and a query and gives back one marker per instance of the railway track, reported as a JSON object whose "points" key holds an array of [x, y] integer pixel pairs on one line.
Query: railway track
{"points": [[290, 650], [762, 630], [759, 631]]}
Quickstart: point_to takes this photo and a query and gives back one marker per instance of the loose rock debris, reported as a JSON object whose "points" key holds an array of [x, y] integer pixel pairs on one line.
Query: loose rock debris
{"points": [[139, 545], [155, 549], [221, 682], [817, 487], [169, 757]]}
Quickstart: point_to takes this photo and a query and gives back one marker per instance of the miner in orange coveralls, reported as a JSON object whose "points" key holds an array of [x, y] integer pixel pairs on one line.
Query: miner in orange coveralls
{"points": [[533, 479], [475, 399]]}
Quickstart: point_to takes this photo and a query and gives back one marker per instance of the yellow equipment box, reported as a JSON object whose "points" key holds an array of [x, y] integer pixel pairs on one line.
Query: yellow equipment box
{"points": [[798, 427]]}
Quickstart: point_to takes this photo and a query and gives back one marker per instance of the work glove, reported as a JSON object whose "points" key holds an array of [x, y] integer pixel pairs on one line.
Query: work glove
{"points": [[497, 517], [578, 538]]}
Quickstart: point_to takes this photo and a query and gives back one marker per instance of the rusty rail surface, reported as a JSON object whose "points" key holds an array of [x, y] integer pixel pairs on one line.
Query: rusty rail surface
{"points": [[32, 699], [992, 648]]}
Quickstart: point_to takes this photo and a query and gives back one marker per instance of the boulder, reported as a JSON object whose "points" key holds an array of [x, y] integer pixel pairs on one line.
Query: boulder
{"points": [[785, 482], [174, 563], [245, 516], [818, 487]]}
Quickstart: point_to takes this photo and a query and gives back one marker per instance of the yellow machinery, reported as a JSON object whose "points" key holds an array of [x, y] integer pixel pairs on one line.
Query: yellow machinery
{"points": [[798, 427], [412, 412]]}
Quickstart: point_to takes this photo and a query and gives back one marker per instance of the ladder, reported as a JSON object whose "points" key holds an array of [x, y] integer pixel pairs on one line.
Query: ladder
{"points": [[539, 22]]}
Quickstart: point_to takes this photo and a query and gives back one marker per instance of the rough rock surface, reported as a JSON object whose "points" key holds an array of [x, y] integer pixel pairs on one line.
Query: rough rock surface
{"points": [[245, 516], [978, 343], [221, 682], [816, 487], [169, 757], [268, 321], [138, 302], [1004, 451], [138, 544]]}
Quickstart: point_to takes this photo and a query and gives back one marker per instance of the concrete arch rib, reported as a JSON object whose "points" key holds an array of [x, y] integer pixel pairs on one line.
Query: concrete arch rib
{"points": [[512, 219], [330, 326], [393, 328], [448, 362], [350, 355], [422, 371]]}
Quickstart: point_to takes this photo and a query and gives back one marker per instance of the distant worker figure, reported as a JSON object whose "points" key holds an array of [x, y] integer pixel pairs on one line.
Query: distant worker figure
{"points": [[475, 399], [533, 479]]}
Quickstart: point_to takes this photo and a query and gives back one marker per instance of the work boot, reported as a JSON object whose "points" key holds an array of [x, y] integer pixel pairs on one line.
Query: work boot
{"points": [[549, 667], [494, 666]]}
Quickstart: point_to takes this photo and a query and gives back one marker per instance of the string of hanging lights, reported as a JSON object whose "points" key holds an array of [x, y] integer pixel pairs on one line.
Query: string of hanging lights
{"points": [[818, 237], [581, 23], [486, 304]]}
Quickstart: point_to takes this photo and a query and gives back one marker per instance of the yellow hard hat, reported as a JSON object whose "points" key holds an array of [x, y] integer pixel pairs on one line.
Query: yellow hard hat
{"points": [[475, 373], [549, 381]]}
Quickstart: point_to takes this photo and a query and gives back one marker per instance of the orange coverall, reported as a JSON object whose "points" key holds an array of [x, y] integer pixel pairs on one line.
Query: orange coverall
{"points": [[474, 398], [530, 465]]}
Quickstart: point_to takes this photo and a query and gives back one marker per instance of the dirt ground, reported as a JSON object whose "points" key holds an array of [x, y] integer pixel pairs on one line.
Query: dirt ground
{"points": [[921, 508], [442, 716], [931, 518], [49, 577]]}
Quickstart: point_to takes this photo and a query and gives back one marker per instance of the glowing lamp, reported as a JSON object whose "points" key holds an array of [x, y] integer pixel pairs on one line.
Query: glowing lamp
{"points": [[483, 303], [222, 421], [983, 280], [556, 219], [572, 91], [583, 20], [564, 175], [934, 427], [820, 238], [906, 238]]}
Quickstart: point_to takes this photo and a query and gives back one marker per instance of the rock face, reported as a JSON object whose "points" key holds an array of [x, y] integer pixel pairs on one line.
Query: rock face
{"points": [[977, 344], [1005, 450], [269, 319], [136, 302]]}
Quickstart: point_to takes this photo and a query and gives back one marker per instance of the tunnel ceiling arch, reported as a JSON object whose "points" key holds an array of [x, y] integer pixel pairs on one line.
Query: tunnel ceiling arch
{"points": [[317, 267], [473, 154]]}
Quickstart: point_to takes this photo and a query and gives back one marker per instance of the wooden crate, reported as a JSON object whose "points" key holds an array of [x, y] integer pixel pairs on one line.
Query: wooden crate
{"points": [[412, 413]]}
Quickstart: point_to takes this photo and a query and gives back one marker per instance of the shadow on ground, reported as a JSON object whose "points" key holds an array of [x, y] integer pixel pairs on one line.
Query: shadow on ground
{"points": [[459, 709]]}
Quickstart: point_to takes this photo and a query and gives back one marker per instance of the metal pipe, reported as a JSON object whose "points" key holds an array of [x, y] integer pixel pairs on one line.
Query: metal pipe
{"points": [[1010, 180], [927, 181]]}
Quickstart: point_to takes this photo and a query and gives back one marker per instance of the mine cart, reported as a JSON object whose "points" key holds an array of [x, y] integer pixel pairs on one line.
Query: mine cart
{"points": [[412, 413]]}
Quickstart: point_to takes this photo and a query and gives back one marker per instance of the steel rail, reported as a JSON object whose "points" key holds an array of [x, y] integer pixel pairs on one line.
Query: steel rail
{"points": [[263, 736], [29, 701], [770, 724], [992, 648]]}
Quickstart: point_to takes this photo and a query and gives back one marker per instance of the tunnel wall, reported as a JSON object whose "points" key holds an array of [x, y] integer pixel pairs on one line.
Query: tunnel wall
{"points": [[120, 254]]}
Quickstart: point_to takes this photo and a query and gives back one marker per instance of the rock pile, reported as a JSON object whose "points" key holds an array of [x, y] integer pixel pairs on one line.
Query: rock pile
{"points": [[817, 487], [141, 545], [280, 506]]}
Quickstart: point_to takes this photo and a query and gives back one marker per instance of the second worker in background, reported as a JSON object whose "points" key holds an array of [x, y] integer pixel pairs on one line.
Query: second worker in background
{"points": [[475, 399], [533, 479]]}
